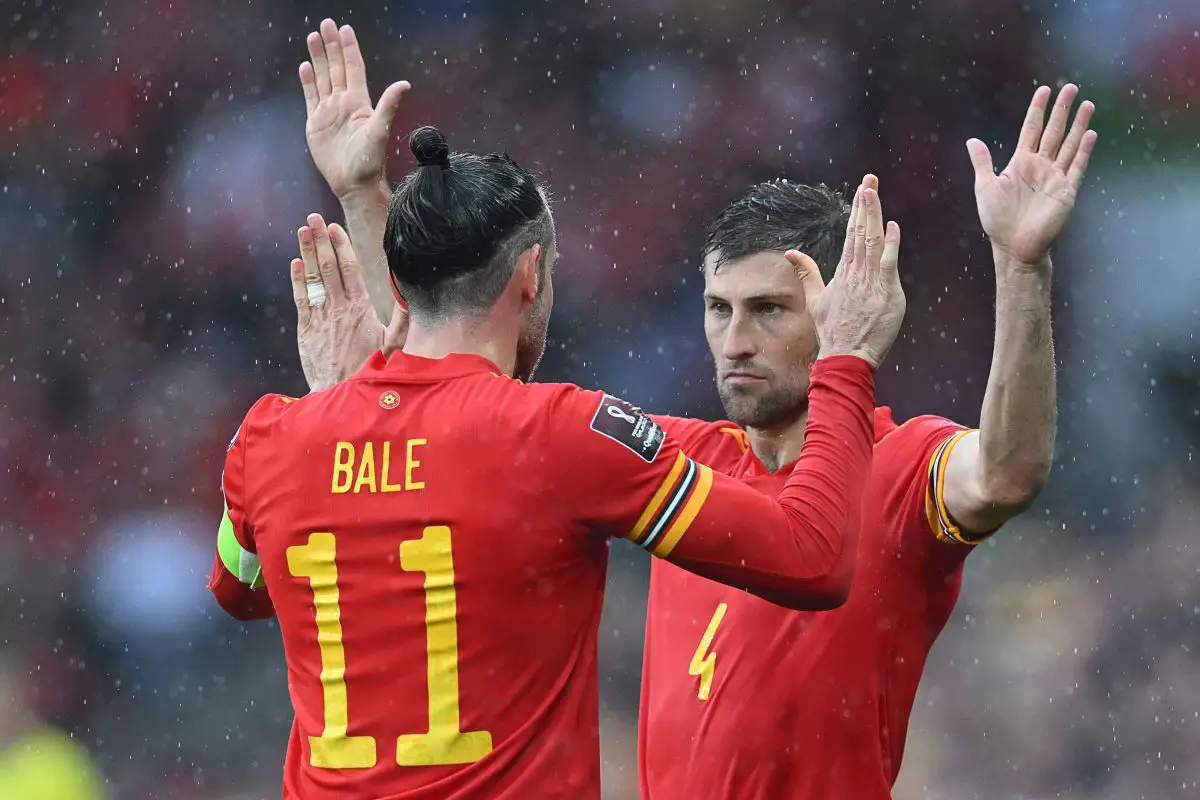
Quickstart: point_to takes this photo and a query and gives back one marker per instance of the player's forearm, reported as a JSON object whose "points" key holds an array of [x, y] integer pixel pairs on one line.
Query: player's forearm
{"points": [[799, 551], [366, 218], [1019, 417]]}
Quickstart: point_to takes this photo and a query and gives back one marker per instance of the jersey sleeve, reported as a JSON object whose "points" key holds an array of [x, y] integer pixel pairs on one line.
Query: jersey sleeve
{"points": [[917, 460], [237, 582], [618, 472]]}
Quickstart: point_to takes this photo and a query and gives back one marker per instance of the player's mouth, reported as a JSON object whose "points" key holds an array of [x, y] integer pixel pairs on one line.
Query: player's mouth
{"points": [[743, 378]]}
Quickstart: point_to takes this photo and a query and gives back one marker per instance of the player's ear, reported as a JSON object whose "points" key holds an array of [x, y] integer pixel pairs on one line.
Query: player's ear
{"points": [[527, 273]]}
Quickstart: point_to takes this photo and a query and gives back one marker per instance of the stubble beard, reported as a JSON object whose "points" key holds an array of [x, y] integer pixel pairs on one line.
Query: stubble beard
{"points": [[773, 409]]}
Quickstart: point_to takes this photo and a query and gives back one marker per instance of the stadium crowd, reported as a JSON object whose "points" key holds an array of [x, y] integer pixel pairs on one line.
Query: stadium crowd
{"points": [[154, 172]]}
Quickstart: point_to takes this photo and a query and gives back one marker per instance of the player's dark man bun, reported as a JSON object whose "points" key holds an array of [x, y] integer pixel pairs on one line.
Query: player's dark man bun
{"points": [[429, 146], [782, 215], [457, 224]]}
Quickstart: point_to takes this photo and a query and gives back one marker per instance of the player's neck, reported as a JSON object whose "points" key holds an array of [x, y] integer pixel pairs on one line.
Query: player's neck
{"points": [[780, 444], [480, 337]]}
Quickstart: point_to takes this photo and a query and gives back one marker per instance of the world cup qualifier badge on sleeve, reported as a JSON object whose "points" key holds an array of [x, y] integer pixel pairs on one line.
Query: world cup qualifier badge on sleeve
{"points": [[628, 425]]}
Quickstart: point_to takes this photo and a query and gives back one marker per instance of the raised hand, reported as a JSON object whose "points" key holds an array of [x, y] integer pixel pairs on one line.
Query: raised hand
{"points": [[346, 136], [1024, 208], [336, 330], [860, 311]]}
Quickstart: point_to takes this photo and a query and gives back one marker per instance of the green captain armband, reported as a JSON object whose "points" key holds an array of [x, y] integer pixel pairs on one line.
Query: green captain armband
{"points": [[243, 564]]}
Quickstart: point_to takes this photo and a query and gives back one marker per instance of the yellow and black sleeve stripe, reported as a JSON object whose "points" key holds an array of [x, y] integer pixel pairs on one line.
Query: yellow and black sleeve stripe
{"points": [[940, 521], [673, 507]]}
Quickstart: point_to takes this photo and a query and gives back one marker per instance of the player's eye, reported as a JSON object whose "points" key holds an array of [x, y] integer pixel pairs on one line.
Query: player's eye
{"points": [[718, 307], [769, 308]]}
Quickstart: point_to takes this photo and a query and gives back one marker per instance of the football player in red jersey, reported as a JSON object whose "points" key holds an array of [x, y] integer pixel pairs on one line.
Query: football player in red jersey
{"points": [[717, 718], [432, 533], [741, 698]]}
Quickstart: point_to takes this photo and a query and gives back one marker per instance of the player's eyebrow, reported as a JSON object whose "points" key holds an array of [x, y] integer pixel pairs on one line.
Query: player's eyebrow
{"points": [[779, 298]]}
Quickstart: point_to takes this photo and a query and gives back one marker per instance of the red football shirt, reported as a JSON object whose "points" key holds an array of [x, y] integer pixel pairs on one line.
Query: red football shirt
{"points": [[742, 698], [433, 538]]}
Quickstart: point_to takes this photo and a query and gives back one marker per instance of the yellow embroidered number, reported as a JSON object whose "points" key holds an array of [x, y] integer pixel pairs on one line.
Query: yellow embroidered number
{"points": [[704, 663], [445, 742]]}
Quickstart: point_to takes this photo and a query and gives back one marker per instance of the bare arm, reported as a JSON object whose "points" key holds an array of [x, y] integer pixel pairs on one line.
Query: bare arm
{"points": [[998, 472], [995, 473], [348, 141], [366, 218]]}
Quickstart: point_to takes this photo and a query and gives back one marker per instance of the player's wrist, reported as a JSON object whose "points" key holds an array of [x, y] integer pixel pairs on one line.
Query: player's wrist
{"points": [[837, 365], [855, 359], [365, 194], [1009, 262], [1021, 278]]}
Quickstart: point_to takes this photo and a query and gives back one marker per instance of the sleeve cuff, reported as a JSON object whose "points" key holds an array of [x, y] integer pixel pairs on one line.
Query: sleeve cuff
{"points": [[940, 521]]}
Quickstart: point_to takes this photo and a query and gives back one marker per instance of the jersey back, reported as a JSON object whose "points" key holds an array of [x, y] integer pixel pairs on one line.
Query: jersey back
{"points": [[438, 612]]}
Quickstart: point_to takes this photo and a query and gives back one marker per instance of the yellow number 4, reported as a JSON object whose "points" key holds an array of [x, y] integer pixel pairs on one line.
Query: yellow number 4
{"points": [[704, 663], [445, 742]]}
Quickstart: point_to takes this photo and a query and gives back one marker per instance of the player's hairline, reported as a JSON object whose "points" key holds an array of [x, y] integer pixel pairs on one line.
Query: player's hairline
{"points": [[720, 260]]}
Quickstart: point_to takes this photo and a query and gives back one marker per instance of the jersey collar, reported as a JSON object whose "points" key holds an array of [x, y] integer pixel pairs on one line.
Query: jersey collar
{"points": [[411, 367], [751, 465]]}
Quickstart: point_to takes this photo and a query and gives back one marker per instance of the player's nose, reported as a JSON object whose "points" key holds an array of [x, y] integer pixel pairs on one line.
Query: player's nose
{"points": [[738, 344]]}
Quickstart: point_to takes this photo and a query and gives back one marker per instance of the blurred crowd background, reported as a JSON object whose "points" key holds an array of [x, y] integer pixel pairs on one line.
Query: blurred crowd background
{"points": [[153, 171]]}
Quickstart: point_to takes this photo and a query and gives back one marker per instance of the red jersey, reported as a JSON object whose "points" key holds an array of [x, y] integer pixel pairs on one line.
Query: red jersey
{"points": [[433, 539], [744, 699]]}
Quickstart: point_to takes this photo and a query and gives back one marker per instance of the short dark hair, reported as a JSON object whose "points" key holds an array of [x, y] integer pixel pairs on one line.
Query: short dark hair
{"points": [[782, 215], [457, 224]]}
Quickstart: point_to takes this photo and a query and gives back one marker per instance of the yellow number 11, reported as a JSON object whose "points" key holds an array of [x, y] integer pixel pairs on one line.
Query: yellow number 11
{"points": [[445, 742]]}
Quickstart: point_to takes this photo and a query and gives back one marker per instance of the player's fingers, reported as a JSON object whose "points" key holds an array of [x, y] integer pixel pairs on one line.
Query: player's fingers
{"points": [[808, 273], [326, 260], [858, 264], [870, 182], [308, 254], [981, 160], [351, 275], [300, 290], [1080, 162], [1035, 117], [333, 52], [1060, 115], [385, 109], [316, 54], [356, 68], [851, 227], [889, 263], [396, 332], [1083, 118], [308, 83], [872, 220]]}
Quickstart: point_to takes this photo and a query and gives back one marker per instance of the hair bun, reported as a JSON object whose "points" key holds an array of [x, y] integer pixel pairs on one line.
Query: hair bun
{"points": [[429, 146]]}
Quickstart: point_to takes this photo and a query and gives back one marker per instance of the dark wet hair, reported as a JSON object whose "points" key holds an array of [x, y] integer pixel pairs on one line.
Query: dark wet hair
{"points": [[782, 215], [457, 224]]}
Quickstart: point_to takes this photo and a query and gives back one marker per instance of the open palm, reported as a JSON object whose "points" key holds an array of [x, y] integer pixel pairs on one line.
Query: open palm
{"points": [[346, 135], [1024, 208]]}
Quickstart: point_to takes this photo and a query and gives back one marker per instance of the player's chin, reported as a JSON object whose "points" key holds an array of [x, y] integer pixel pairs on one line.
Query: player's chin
{"points": [[739, 404]]}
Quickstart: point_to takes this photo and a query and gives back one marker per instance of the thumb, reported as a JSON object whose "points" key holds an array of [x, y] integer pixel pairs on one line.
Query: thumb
{"points": [[385, 109], [808, 273], [981, 160], [396, 332]]}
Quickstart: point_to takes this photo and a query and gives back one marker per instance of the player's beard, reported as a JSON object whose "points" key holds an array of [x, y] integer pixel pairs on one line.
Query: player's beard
{"points": [[769, 409], [531, 343]]}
